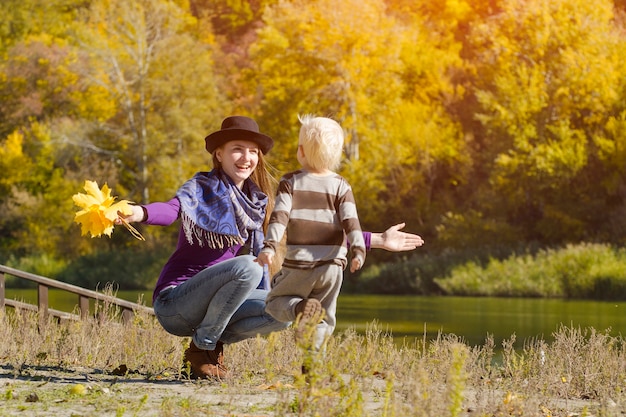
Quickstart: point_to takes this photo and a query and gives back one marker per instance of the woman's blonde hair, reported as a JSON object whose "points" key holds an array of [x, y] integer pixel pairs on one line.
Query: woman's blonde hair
{"points": [[321, 139]]}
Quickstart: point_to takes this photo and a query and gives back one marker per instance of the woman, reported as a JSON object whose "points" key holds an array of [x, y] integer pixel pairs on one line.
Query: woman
{"points": [[211, 288]]}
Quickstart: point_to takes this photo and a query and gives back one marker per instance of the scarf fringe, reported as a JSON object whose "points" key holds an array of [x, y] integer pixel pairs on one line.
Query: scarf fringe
{"points": [[205, 237]]}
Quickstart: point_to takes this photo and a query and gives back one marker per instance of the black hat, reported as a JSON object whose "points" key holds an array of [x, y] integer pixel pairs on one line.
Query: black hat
{"points": [[238, 128]]}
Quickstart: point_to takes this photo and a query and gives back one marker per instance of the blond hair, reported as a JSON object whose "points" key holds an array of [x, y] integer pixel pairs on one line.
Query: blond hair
{"points": [[321, 139]]}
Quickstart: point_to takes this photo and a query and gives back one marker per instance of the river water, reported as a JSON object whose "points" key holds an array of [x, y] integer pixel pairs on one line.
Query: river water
{"points": [[473, 318], [413, 318]]}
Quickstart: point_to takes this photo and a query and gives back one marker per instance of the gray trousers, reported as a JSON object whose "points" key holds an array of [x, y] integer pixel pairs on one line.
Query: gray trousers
{"points": [[290, 286]]}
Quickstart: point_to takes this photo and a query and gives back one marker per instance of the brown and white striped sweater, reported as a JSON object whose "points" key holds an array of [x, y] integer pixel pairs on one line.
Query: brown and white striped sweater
{"points": [[318, 213]]}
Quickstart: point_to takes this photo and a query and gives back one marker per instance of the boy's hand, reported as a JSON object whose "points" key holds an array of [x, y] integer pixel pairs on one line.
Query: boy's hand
{"points": [[265, 258], [355, 265]]}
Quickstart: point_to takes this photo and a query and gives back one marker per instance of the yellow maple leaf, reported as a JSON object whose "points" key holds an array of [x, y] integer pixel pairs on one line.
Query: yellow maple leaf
{"points": [[99, 211]]}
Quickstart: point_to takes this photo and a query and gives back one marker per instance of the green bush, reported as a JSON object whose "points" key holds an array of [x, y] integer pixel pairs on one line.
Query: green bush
{"points": [[44, 265], [595, 271], [417, 274]]}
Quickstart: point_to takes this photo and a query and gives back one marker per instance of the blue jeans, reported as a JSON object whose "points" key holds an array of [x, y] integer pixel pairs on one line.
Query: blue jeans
{"points": [[220, 303]]}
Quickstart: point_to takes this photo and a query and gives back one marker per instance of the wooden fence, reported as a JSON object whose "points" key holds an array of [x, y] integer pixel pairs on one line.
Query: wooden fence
{"points": [[84, 296]]}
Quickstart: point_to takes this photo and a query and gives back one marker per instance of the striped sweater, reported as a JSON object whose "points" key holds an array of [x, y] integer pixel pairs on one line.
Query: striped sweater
{"points": [[318, 213]]}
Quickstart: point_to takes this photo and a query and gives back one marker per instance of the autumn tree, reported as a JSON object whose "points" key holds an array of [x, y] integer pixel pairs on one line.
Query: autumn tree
{"points": [[423, 179], [156, 63], [355, 62], [124, 97], [43, 102], [546, 77]]}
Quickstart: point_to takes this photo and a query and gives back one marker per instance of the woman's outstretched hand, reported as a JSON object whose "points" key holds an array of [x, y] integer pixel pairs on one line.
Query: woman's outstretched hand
{"points": [[394, 240]]}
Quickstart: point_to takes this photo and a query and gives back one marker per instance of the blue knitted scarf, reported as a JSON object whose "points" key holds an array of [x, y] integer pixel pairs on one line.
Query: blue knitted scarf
{"points": [[214, 212]]}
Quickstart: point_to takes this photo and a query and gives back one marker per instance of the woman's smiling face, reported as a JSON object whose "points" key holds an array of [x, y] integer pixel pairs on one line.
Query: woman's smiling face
{"points": [[238, 158]]}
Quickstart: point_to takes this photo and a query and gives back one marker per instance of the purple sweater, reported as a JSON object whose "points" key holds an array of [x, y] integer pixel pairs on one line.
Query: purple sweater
{"points": [[187, 260]]}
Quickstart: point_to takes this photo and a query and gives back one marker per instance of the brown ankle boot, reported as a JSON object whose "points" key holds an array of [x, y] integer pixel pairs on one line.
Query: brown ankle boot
{"points": [[307, 310], [206, 363], [217, 356]]}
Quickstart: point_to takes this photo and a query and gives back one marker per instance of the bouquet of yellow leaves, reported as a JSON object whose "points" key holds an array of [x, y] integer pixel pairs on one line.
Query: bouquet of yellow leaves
{"points": [[99, 211]]}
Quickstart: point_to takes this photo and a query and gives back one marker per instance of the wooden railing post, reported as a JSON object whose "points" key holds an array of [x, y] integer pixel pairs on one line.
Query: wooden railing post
{"points": [[83, 306], [42, 298], [127, 315]]}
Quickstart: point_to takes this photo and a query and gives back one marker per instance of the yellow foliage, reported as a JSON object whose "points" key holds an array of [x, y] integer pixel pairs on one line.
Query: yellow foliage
{"points": [[99, 211], [14, 163], [12, 147]]}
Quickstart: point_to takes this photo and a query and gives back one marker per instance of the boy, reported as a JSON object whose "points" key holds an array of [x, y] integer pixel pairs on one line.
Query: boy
{"points": [[316, 207]]}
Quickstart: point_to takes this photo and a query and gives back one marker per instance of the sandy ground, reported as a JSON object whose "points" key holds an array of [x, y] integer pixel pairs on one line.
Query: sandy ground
{"points": [[51, 392], [41, 391]]}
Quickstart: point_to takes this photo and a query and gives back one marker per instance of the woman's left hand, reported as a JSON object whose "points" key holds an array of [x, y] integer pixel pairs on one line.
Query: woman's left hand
{"points": [[394, 240]]}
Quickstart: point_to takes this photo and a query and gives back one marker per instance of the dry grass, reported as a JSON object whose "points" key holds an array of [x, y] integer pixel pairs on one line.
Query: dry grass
{"points": [[136, 369]]}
